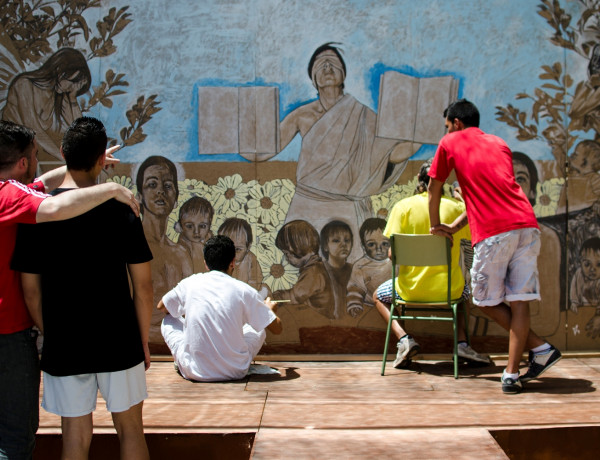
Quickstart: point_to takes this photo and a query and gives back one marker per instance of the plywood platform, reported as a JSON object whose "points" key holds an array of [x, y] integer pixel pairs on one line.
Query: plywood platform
{"points": [[346, 409]]}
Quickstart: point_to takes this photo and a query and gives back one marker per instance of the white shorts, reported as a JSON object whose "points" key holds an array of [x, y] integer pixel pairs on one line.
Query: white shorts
{"points": [[75, 395], [505, 268]]}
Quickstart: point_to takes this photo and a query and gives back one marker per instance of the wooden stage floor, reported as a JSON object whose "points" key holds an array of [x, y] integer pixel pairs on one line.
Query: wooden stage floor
{"points": [[346, 409]]}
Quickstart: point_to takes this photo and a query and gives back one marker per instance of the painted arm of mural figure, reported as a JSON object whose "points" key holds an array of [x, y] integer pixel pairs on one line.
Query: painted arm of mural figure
{"points": [[403, 151], [32, 293]]}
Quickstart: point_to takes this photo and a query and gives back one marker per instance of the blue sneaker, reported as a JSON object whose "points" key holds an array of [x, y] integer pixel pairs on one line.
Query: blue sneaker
{"points": [[538, 364]]}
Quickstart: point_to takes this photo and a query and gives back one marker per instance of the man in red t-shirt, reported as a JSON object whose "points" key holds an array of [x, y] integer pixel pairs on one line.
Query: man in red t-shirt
{"points": [[19, 369], [505, 235]]}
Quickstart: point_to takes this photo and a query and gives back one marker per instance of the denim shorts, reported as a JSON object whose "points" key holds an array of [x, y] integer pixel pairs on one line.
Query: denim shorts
{"points": [[384, 292], [75, 395], [505, 268]]}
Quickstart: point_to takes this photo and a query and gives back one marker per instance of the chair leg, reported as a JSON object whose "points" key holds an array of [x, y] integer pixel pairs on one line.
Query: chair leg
{"points": [[454, 327], [387, 339]]}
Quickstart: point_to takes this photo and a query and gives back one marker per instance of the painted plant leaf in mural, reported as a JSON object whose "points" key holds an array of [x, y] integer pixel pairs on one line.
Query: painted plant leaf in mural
{"points": [[41, 67]]}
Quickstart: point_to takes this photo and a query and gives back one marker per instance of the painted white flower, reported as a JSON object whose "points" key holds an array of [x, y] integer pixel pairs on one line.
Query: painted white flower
{"points": [[194, 187], [125, 181], [264, 204], [287, 189], [277, 272], [576, 330], [548, 193], [385, 201], [229, 194]]}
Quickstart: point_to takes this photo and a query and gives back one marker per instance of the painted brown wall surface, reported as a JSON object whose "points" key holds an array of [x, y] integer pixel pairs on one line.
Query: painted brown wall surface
{"points": [[231, 123]]}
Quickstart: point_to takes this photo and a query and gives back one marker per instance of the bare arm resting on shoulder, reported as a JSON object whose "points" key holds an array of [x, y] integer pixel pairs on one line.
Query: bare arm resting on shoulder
{"points": [[76, 202]]}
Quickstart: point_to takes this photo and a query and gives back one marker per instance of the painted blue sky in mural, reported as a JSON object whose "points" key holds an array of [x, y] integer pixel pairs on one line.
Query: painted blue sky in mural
{"points": [[495, 48]]}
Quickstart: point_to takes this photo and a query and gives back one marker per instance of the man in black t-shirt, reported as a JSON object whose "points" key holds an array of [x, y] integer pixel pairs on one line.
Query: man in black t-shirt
{"points": [[75, 282]]}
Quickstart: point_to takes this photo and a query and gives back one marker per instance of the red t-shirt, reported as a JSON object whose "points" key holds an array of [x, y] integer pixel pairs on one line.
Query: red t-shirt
{"points": [[483, 164], [18, 205]]}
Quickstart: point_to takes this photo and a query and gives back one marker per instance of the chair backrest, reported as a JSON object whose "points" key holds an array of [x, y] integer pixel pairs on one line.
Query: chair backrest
{"points": [[420, 250]]}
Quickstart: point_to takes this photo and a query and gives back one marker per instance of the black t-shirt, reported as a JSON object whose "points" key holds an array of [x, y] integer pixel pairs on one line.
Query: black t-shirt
{"points": [[90, 324]]}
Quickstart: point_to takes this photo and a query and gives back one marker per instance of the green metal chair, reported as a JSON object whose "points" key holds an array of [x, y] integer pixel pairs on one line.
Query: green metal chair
{"points": [[421, 251]]}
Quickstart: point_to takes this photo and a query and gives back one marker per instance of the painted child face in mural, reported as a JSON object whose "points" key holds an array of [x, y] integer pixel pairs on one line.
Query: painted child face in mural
{"points": [[376, 245], [158, 192], [296, 261], [242, 246], [339, 246], [523, 179], [585, 159], [327, 70], [195, 226], [590, 264]]}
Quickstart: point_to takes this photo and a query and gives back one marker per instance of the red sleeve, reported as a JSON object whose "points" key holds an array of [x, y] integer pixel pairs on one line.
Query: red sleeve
{"points": [[19, 203], [440, 169]]}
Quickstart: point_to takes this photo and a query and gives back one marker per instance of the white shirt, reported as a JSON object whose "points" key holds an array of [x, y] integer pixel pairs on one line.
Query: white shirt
{"points": [[216, 308]]}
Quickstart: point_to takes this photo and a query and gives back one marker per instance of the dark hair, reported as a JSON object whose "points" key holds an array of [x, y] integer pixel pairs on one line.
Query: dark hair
{"points": [[233, 225], [63, 64], [522, 158], [326, 47], [83, 143], [196, 205], [423, 177], [592, 244], [370, 225], [219, 252], [156, 160], [298, 237], [331, 228], [14, 140], [465, 111]]}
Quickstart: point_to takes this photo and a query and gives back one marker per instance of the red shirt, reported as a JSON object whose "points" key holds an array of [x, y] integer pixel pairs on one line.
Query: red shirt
{"points": [[483, 164], [18, 205]]}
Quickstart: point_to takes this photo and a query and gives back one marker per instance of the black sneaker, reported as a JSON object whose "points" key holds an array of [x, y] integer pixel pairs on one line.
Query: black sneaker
{"points": [[538, 364], [511, 386]]}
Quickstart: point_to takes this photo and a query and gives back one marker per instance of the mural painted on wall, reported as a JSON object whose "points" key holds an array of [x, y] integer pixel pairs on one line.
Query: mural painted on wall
{"points": [[563, 113], [300, 159]]}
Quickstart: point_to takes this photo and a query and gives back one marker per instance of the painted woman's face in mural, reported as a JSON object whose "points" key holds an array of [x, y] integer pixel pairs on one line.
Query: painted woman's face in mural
{"points": [[339, 246], [69, 85], [158, 192], [376, 245], [590, 264], [240, 242], [328, 70], [584, 160], [523, 179], [195, 226]]}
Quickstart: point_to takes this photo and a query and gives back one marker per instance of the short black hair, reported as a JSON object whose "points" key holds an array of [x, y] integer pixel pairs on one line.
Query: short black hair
{"points": [[592, 244], [14, 140], [84, 143], [465, 111], [219, 252]]}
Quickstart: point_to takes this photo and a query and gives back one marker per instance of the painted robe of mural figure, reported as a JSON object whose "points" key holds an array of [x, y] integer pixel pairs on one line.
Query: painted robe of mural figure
{"points": [[45, 99], [156, 182], [341, 163]]}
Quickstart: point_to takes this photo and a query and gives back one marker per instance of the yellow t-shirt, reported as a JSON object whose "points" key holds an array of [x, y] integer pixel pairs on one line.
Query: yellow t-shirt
{"points": [[411, 216]]}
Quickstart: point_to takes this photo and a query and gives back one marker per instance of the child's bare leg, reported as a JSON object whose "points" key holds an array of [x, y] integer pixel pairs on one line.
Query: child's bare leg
{"points": [[519, 331], [77, 436], [502, 315], [130, 429], [384, 311]]}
